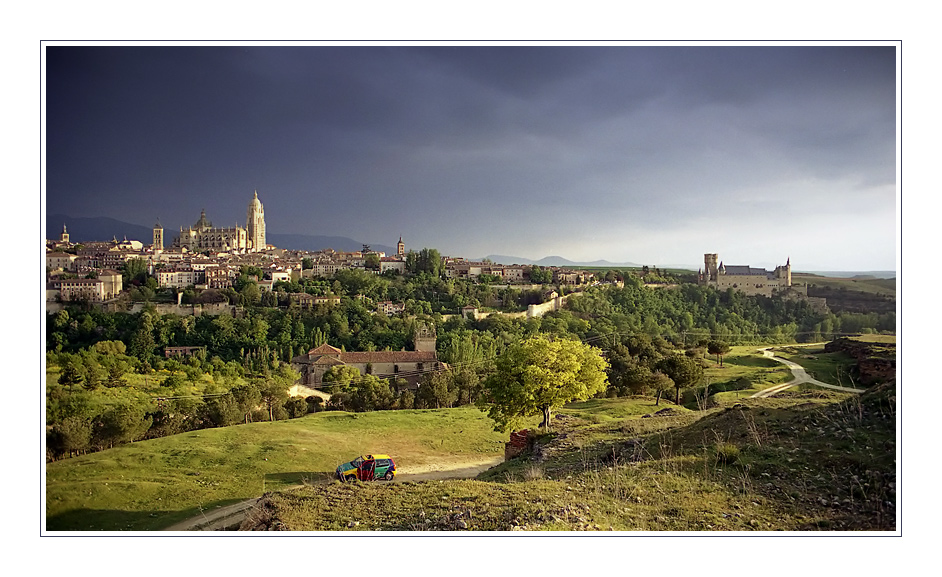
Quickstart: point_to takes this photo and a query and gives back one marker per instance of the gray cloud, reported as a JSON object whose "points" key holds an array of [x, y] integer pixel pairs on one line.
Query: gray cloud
{"points": [[623, 153]]}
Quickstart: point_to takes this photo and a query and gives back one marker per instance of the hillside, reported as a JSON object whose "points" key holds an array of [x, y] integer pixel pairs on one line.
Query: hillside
{"points": [[806, 461], [855, 295]]}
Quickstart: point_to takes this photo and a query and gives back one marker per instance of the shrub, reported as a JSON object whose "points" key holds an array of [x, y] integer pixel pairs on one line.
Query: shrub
{"points": [[726, 453]]}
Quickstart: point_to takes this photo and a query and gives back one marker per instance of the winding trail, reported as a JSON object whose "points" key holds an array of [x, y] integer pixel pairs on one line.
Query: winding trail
{"points": [[230, 516], [799, 374]]}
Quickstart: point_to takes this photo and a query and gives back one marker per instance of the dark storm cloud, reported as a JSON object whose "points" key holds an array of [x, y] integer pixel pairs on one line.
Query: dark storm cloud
{"points": [[592, 152]]}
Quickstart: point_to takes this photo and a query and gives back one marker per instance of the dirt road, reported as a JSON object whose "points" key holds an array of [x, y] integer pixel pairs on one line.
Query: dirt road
{"points": [[231, 515], [800, 376]]}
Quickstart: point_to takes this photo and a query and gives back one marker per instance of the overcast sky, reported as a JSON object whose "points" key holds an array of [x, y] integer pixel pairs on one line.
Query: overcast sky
{"points": [[653, 155]]}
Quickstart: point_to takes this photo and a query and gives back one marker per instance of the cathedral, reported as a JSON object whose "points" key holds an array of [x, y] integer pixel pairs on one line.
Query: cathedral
{"points": [[204, 236]]}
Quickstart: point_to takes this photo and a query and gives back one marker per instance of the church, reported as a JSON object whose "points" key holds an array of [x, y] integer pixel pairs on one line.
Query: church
{"points": [[409, 366], [203, 236]]}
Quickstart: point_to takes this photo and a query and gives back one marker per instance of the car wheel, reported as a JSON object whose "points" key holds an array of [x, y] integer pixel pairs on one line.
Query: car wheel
{"points": [[389, 476]]}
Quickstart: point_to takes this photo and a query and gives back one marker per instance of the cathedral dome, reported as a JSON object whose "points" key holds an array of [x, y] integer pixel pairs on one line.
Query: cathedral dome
{"points": [[255, 203]]}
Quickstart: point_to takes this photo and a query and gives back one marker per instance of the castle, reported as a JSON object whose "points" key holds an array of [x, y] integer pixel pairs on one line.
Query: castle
{"points": [[748, 280], [204, 236]]}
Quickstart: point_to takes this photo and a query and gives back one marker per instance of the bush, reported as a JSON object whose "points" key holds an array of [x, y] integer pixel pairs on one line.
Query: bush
{"points": [[296, 407], [726, 453]]}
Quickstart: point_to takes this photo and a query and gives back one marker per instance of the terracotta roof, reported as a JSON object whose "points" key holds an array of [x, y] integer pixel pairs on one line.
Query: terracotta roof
{"points": [[389, 357], [324, 349]]}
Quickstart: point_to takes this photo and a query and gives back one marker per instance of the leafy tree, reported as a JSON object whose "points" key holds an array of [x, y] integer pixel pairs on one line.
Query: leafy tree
{"points": [[223, 410], [247, 398], [683, 371], [719, 349], [536, 375], [134, 271], [124, 422], [71, 435], [340, 377], [71, 376], [296, 407], [436, 391], [142, 342], [660, 383]]}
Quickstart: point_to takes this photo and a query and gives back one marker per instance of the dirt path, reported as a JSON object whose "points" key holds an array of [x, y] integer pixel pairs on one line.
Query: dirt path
{"points": [[800, 376], [231, 515]]}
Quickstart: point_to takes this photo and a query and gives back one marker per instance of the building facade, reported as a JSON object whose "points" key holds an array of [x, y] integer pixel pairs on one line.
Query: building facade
{"points": [[410, 366], [745, 279], [203, 236]]}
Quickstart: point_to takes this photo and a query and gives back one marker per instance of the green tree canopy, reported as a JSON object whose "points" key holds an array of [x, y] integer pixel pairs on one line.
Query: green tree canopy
{"points": [[536, 375], [684, 371]]}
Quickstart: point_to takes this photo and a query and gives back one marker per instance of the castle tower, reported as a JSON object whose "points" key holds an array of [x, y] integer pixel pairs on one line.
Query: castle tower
{"points": [[64, 237], [158, 236], [401, 248], [255, 225], [788, 272], [709, 267]]}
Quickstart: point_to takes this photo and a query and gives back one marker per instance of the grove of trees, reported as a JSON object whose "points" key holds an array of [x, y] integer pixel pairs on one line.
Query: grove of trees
{"points": [[111, 383]]}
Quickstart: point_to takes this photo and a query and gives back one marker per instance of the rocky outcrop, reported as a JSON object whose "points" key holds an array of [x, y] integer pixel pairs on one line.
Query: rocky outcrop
{"points": [[876, 362]]}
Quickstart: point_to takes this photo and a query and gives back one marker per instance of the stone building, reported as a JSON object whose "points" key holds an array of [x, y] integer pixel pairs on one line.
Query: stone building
{"points": [[158, 244], [203, 236], [410, 366], [746, 279], [255, 225], [107, 286]]}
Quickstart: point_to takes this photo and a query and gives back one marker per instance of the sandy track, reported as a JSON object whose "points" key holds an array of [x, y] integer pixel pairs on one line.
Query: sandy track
{"points": [[231, 515]]}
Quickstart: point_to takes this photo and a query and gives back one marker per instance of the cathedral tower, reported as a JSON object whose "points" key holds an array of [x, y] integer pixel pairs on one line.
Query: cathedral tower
{"points": [[255, 225], [64, 237], [401, 248]]}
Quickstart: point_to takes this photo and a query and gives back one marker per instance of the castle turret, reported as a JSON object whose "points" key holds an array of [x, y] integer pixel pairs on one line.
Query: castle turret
{"points": [[709, 267]]}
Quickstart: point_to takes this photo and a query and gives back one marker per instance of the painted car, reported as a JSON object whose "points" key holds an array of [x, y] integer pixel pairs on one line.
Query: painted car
{"points": [[368, 468]]}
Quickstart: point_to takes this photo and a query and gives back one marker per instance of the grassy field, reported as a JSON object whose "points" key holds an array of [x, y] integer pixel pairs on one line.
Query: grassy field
{"points": [[153, 484], [831, 368], [878, 286], [806, 462]]}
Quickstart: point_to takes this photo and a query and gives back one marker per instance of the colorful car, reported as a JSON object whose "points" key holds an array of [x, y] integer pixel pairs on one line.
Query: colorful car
{"points": [[368, 468]]}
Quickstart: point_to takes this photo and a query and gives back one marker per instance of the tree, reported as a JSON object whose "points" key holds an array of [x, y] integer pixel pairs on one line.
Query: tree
{"points": [[71, 435], [536, 375], [134, 271], [247, 397], [660, 383], [719, 349], [71, 376], [340, 377], [435, 393], [684, 371]]}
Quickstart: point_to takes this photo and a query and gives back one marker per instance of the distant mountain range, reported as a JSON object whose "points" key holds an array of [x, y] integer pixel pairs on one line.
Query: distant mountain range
{"points": [[555, 261], [89, 229]]}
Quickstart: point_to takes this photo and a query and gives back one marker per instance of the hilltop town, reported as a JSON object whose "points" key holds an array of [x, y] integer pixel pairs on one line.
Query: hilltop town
{"points": [[208, 258]]}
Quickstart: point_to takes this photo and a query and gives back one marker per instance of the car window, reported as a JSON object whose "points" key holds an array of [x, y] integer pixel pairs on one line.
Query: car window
{"points": [[382, 463]]}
